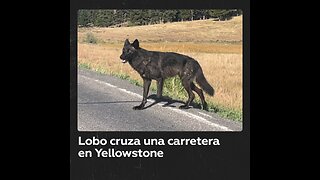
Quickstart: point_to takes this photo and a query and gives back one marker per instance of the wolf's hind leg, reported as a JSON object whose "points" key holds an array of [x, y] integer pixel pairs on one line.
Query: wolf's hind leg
{"points": [[200, 93], [186, 82], [159, 87]]}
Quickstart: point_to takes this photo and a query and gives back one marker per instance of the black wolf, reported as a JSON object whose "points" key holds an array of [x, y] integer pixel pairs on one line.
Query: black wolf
{"points": [[160, 65]]}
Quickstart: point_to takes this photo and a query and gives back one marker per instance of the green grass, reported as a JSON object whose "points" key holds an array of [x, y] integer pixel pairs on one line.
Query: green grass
{"points": [[225, 112], [173, 88], [85, 65]]}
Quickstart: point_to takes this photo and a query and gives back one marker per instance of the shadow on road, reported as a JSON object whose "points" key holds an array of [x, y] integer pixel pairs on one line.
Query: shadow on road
{"points": [[169, 101], [111, 102]]}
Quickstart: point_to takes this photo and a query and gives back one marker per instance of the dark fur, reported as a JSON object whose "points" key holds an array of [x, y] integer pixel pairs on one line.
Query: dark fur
{"points": [[160, 65]]}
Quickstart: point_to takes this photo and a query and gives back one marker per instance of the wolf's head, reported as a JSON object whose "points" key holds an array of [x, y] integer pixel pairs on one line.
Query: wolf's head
{"points": [[129, 50]]}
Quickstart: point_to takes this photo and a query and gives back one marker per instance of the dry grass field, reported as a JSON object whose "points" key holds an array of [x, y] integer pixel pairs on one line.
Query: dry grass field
{"points": [[216, 45]]}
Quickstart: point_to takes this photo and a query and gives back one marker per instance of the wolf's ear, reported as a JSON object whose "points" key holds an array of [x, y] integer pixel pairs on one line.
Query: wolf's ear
{"points": [[135, 44], [126, 42]]}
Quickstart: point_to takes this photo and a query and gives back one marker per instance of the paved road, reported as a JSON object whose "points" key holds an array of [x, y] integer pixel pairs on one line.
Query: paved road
{"points": [[105, 104]]}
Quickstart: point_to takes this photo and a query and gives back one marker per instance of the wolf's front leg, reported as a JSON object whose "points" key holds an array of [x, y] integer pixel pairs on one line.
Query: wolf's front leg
{"points": [[146, 85]]}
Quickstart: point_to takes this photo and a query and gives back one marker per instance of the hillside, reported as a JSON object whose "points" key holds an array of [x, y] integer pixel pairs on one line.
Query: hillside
{"points": [[189, 31]]}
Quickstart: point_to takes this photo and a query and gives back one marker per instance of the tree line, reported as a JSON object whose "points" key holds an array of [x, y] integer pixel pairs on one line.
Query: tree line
{"points": [[107, 18]]}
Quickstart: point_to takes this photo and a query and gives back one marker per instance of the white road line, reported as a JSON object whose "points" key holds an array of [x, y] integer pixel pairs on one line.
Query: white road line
{"points": [[204, 114], [201, 119], [190, 115], [129, 92]]}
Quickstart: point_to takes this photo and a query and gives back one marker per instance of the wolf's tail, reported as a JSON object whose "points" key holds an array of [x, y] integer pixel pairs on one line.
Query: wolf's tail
{"points": [[201, 80]]}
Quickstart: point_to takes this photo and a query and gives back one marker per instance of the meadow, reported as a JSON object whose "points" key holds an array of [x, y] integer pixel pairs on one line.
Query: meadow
{"points": [[216, 45]]}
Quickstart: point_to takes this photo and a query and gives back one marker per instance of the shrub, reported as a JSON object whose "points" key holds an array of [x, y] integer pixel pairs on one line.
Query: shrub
{"points": [[90, 38]]}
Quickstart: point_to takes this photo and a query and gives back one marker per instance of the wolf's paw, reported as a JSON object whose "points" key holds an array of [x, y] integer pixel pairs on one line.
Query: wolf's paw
{"points": [[205, 107], [137, 108], [183, 107]]}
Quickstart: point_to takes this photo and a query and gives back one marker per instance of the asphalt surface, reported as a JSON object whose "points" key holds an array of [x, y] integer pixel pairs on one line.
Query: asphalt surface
{"points": [[105, 104]]}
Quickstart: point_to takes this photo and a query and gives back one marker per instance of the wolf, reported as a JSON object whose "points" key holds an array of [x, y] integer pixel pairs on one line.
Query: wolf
{"points": [[154, 65]]}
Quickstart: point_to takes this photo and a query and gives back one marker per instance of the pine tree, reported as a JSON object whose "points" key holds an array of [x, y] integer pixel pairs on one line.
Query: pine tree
{"points": [[184, 15]]}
